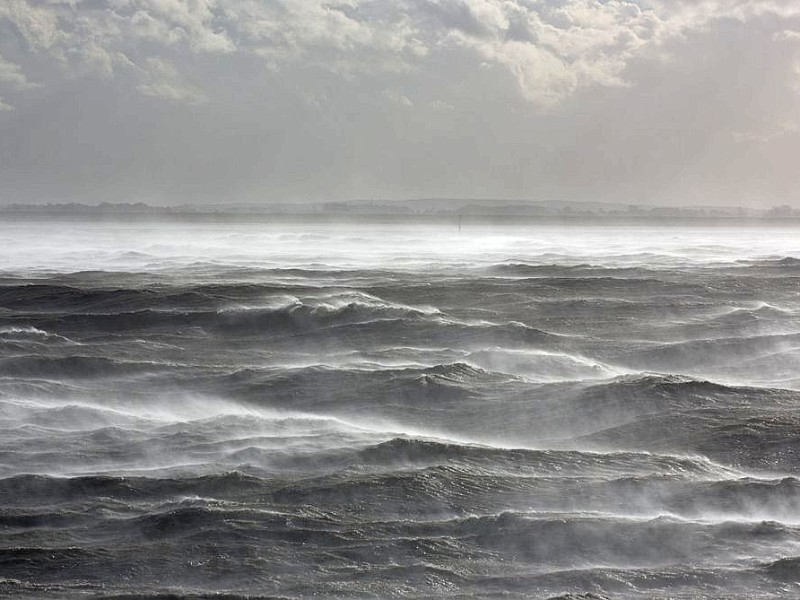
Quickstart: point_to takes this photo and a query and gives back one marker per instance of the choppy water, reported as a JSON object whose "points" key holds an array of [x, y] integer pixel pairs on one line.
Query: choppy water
{"points": [[364, 412]]}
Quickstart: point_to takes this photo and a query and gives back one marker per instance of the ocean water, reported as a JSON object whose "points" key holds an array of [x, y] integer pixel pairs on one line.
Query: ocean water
{"points": [[362, 411]]}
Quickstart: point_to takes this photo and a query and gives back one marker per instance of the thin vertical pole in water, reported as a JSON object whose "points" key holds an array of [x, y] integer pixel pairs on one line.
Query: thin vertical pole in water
{"points": [[459, 223]]}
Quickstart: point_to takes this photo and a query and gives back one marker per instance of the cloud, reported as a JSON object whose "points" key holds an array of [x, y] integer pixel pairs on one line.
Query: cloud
{"points": [[553, 51], [320, 98], [766, 134], [11, 76], [787, 35], [12, 79], [398, 99], [550, 49], [160, 79], [199, 24]]}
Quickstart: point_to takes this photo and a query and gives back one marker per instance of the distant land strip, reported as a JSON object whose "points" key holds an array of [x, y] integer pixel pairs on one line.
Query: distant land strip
{"points": [[418, 210]]}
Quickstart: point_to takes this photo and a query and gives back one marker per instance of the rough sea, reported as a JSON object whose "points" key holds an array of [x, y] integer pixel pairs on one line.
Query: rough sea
{"points": [[262, 410]]}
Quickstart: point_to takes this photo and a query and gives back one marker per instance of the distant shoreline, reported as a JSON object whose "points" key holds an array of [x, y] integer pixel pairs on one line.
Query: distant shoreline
{"points": [[333, 219], [434, 211]]}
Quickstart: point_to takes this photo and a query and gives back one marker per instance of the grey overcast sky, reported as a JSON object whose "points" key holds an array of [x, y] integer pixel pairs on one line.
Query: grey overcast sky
{"points": [[246, 101]]}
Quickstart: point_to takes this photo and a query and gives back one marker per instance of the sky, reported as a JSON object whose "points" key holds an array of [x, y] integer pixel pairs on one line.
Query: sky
{"points": [[666, 102]]}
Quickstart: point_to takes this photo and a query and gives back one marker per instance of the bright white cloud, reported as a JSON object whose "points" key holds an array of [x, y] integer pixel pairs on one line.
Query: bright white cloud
{"points": [[552, 52]]}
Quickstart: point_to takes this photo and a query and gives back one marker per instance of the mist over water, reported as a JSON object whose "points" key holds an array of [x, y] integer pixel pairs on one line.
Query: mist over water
{"points": [[361, 411]]}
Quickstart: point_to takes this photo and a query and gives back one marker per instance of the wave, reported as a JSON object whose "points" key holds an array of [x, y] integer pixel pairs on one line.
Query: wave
{"points": [[739, 437], [32, 334], [34, 490], [725, 505], [459, 479], [603, 284], [742, 322], [580, 408], [523, 269], [423, 452], [682, 390], [322, 388], [541, 364], [782, 262], [38, 558], [579, 596], [784, 569], [615, 541], [225, 318], [632, 412], [453, 399], [301, 521], [183, 594], [46, 297], [341, 308], [75, 367], [55, 298], [708, 353]]}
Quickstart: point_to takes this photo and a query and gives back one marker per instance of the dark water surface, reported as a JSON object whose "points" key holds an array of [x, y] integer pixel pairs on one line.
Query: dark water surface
{"points": [[363, 412]]}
